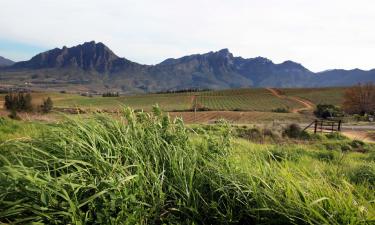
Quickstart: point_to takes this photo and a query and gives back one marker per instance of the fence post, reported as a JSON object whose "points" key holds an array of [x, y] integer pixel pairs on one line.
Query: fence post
{"points": [[339, 127], [315, 126]]}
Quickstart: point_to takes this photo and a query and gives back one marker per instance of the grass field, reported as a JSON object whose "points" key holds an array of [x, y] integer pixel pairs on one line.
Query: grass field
{"points": [[146, 169]]}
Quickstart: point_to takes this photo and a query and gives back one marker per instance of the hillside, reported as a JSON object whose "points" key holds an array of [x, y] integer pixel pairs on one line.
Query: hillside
{"points": [[5, 62], [93, 67]]}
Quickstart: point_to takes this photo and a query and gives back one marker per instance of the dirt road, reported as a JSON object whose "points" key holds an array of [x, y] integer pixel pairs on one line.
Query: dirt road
{"points": [[307, 104], [359, 135]]}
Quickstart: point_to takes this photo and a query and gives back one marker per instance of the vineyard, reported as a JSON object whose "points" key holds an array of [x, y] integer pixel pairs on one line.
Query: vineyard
{"points": [[317, 95], [244, 100], [258, 99]]}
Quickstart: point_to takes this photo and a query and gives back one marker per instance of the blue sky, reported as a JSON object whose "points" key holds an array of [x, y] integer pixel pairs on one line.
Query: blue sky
{"points": [[320, 34], [18, 51]]}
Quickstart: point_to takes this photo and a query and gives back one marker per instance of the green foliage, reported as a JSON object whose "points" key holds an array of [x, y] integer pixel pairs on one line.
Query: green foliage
{"points": [[18, 102], [47, 105], [146, 169], [294, 131], [256, 134], [364, 174], [281, 110], [111, 94], [326, 156], [357, 144], [283, 153], [327, 111], [258, 99], [336, 136]]}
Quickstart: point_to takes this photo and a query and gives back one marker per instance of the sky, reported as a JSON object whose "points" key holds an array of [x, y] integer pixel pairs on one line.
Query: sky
{"points": [[320, 34]]}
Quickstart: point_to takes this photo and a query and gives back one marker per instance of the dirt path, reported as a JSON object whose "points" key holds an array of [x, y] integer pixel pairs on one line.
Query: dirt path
{"points": [[359, 135], [307, 104], [193, 101]]}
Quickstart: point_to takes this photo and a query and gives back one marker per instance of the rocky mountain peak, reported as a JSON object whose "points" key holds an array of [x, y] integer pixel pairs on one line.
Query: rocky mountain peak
{"points": [[89, 56]]}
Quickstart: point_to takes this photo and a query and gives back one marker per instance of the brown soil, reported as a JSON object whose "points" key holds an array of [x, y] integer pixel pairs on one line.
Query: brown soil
{"points": [[359, 135]]}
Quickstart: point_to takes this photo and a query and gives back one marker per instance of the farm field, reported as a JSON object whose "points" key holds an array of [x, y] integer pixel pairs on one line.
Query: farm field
{"points": [[244, 99], [148, 170], [332, 96], [226, 100], [241, 117]]}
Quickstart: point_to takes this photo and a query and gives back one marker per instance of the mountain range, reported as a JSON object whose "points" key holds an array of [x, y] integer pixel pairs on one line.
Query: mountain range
{"points": [[5, 62], [94, 67]]}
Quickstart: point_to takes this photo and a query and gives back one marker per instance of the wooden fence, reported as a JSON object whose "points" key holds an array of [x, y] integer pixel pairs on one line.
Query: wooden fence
{"points": [[325, 126]]}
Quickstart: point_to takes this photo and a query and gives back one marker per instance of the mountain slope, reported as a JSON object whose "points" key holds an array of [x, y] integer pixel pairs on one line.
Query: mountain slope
{"points": [[5, 62], [89, 56], [95, 67]]}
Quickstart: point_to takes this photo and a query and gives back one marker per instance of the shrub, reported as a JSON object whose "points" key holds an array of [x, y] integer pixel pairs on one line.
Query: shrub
{"points": [[13, 115], [357, 143], [363, 174], [111, 94], [326, 156], [294, 131], [47, 105], [346, 148], [327, 111], [280, 110]]}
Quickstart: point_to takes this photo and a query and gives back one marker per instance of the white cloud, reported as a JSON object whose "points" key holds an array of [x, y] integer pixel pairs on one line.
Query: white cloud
{"points": [[320, 34]]}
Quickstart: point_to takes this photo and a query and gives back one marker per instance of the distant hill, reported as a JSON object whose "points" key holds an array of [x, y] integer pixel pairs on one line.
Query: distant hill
{"points": [[94, 67], [5, 62]]}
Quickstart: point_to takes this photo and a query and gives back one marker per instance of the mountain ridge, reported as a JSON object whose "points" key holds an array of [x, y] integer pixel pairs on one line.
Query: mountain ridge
{"points": [[5, 62], [94, 64]]}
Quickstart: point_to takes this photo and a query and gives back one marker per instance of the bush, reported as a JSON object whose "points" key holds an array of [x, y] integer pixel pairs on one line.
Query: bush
{"points": [[327, 111], [47, 105], [363, 174], [280, 110], [111, 94], [357, 144], [13, 115], [255, 134], [294, 131], [326, 156]]}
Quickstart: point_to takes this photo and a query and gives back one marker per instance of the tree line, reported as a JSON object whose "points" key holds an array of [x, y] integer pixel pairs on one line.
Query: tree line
{"points": [[22, 102], [111, 94], [358, 100]]}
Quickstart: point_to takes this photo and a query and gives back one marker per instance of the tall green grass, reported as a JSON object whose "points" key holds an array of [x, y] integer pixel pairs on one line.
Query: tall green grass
{"points": [[147, 169]]}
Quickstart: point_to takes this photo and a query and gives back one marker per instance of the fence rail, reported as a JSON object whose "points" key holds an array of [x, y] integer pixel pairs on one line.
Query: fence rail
{"points": [[325, 125]]}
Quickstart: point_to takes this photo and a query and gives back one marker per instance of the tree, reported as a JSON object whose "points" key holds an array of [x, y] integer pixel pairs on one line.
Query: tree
{"points": [[360, 99], [327, 111], [47, 105], [18, 102]]}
